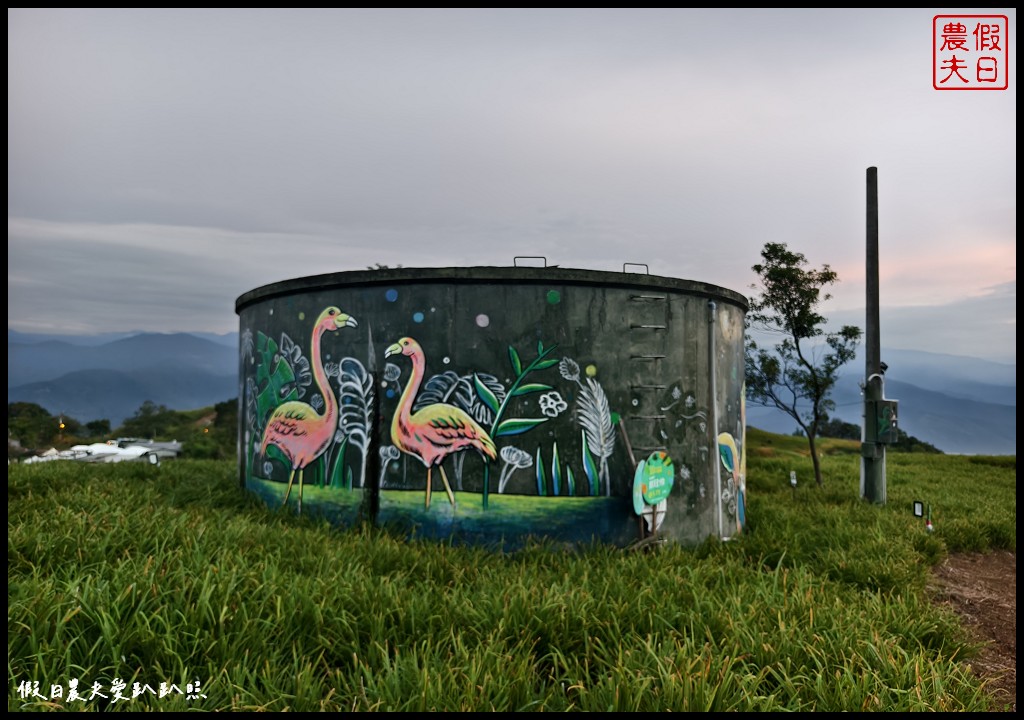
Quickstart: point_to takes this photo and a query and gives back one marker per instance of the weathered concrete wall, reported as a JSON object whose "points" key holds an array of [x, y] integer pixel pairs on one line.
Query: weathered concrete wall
{"points": [[532, 393]]}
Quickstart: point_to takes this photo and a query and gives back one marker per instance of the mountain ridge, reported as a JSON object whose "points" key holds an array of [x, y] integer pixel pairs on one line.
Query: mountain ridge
{"points": [[957, 403]]}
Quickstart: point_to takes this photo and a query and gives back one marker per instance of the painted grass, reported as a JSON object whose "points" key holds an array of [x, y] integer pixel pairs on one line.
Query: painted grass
{"points": [[130, 574]]}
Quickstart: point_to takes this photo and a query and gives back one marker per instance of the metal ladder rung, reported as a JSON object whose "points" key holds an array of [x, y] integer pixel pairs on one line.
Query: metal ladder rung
{"points": [[648, 327], [646, 417], [648, 387]]}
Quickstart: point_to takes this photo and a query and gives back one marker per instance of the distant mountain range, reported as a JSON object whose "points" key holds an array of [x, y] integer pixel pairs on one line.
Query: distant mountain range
{"points": [[111, 379], [958, 404]]}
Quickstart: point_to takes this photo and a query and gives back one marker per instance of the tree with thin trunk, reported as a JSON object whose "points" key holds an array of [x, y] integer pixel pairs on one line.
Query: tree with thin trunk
{"points": [[796, 375]]}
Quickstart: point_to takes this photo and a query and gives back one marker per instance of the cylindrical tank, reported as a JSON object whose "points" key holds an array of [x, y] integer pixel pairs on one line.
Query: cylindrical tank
{"points": [[491, 404]]}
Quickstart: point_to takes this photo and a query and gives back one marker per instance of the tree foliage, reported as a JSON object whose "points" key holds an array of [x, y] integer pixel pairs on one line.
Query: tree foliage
{"points": [[840, 429], [206, 433], [798, 373], [219, 439], [150, 421], [97, 428], [31, 425]]}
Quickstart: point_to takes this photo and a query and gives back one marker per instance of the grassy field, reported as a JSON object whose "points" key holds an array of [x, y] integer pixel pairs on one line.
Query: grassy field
{"points": [[126, 577]]}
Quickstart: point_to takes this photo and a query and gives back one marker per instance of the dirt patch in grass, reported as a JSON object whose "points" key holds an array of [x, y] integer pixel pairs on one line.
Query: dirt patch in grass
{"points": [[982, 589]]}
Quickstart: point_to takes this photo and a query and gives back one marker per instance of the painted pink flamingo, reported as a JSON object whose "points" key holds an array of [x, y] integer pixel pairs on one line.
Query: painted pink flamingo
{"points": [[436, 431], [296, 428]]}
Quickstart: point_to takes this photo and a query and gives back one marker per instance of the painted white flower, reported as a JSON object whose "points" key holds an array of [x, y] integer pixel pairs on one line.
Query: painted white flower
{"points": [[392, 372], [569, 369], [552, 404], [515, 459], [388, 454]]}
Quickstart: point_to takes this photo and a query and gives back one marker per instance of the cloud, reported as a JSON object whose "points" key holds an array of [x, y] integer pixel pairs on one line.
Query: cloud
{"points": [[162, 162], [984, 326]]}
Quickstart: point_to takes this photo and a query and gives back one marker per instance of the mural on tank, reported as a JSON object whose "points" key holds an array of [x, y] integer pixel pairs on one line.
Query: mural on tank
{"points": [[300, 432], [449, 415], [383, 404], [731, 440]]}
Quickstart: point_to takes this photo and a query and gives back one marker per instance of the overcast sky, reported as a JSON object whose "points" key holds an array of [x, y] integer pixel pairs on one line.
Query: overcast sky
{"points": [[163, 162]]}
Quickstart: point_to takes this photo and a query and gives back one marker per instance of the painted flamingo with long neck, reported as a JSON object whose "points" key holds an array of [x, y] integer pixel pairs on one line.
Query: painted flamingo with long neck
{"points": [[295, 427], [437, 430]]}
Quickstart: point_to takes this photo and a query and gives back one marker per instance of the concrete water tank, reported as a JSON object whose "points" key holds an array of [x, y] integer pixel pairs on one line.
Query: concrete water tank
{"points": [[576, 405]]}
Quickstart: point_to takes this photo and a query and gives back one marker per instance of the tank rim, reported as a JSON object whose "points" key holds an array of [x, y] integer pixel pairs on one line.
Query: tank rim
{"points": [[488, 275]]}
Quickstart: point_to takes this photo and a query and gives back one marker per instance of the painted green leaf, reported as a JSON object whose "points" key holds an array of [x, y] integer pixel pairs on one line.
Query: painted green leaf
{"points": [[556, 471], [726, 454], [542, 483], [540, 348], [517, 365], [589, 467], [272, 378], [274, 453], [317, 472], [485, 393], [266, 348], [515, 426], [338, 464], [546, 363], [570, 480], [531, 387]]}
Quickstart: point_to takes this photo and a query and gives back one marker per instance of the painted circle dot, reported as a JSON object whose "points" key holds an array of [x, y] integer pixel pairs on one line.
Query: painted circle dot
{"points": [[635, 402], [390, 393], [302, 316], [446, 360], [554, 297], [391, 295], [591, 370], [271, 311], [417, 317], [482, 320]]}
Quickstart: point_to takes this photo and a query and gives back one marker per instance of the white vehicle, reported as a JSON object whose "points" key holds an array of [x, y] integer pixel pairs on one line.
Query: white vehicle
{"points": [[120, 450]]}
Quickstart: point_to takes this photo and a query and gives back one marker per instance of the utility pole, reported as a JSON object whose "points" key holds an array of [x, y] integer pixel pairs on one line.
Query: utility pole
{"points": [[872, 467]]}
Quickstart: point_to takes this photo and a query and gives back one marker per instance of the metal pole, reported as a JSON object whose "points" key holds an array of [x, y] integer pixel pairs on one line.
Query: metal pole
{"points": [[872, 451], [712, 330]]}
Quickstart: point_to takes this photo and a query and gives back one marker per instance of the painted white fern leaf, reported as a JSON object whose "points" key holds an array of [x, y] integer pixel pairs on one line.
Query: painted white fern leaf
{"points": [[355, 399], [596, 418]]}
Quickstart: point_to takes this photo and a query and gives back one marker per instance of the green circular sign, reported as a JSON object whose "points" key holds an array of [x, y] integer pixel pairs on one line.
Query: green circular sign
{"points": [[638, 488], [656, 476]]}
